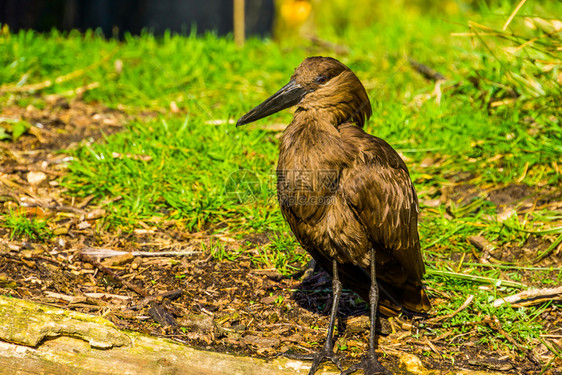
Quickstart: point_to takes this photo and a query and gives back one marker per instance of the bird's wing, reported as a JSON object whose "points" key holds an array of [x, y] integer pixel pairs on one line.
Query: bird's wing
{"points": [[379, 190]]}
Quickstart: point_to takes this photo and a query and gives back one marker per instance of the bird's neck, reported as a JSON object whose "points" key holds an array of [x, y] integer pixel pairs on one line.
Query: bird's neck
{"points": [[312, 141]]}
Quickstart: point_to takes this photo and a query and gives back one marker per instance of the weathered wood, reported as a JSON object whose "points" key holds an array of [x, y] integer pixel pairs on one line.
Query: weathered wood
{"points": [[38, 338], [531, 297], [30, 324], [41, 339]]}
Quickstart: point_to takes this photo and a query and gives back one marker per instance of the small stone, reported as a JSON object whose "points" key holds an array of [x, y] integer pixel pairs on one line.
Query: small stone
{"points": [[412, 364], [6, 282], [13, 247], [197, 322], [84, 225], [268, 299], [136, 263], [95, 214], [118, 65], [36, 178], [118, 260], [60, 230], [261, 342]]}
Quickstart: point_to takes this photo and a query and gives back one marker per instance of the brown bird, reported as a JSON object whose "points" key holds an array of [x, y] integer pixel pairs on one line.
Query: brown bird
{"points": [[347, 196]]}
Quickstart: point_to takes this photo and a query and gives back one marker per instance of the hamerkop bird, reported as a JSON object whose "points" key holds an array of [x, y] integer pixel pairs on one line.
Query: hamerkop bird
{"points": [[347, 196]]}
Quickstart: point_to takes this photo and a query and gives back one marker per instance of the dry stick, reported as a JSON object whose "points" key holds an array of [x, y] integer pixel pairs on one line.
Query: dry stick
{"points": [[339, 49], [21, 189], [494, 323], [107, 253], [48, 83], [113, 275], [19, 257], [40, 202], [515, 11], [58, 208], [29, 168], [172, 294], [484, 245], [531, 297], [74, 92], [449, 316], [432, 347], [426, 71], [158, 312], [549, 250]]}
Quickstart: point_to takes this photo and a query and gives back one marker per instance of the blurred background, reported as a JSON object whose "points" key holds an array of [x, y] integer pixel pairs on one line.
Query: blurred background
{"points": [[115, 17], [280, 18]]}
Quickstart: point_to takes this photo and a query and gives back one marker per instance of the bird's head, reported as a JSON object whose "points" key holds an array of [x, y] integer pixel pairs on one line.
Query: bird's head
{"points": [[322, 84]]}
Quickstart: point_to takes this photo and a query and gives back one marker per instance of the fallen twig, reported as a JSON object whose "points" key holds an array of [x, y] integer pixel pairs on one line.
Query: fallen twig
{"points": [[465, 304], [337, 48], [57, 207], [480, 279], [172, 294], [549, 250], [531, 297], [74, 92], [107, 253], [484, 245], [157, 311], [33, 87], [426, 71], [495, 324], [113, 275]]}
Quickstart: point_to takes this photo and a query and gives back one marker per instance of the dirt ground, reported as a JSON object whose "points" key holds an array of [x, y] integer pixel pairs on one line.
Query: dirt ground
{"points": [[164, 284]]}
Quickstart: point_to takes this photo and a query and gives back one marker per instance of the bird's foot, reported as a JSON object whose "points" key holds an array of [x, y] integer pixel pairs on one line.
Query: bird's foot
{"points": [[322, 356], [370, 366], [317, 359]]}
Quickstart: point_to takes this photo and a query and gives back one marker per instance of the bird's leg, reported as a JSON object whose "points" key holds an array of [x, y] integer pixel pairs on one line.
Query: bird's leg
{"points": [[370, 364], [327, 351]]}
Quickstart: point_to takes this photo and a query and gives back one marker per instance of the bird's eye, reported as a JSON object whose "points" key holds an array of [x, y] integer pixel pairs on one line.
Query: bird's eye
{"points": [[321, 79]]}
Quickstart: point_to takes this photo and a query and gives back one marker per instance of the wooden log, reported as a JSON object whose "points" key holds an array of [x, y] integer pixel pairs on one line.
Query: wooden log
{"points": [[37, 338], [41, 339]]}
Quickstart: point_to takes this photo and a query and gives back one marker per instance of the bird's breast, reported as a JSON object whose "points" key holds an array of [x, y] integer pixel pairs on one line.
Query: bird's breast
{"points": [[310, 165]]}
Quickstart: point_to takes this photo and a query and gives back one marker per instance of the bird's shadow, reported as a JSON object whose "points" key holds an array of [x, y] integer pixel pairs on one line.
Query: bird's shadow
{"points": [[314, 294]]}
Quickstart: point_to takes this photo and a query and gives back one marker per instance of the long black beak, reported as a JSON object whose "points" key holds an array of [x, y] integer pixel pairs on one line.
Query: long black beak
{"points": [[288, 96]]}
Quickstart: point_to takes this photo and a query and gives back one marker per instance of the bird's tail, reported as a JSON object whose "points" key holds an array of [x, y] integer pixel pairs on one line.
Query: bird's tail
{"points": [[410, 296], [394, 296], [395, 293]]}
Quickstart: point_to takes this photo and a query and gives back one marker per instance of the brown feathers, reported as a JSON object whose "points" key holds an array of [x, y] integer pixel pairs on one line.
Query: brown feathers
{"points": [[343, 191]]}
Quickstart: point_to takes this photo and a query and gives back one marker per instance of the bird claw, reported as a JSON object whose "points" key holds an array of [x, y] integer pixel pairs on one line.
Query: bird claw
{"points": [[322, 356], [370, 366]]}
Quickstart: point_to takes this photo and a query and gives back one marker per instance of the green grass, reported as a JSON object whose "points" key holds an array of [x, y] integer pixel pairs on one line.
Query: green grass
{"points": [[20, 226], [219, 176]]}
